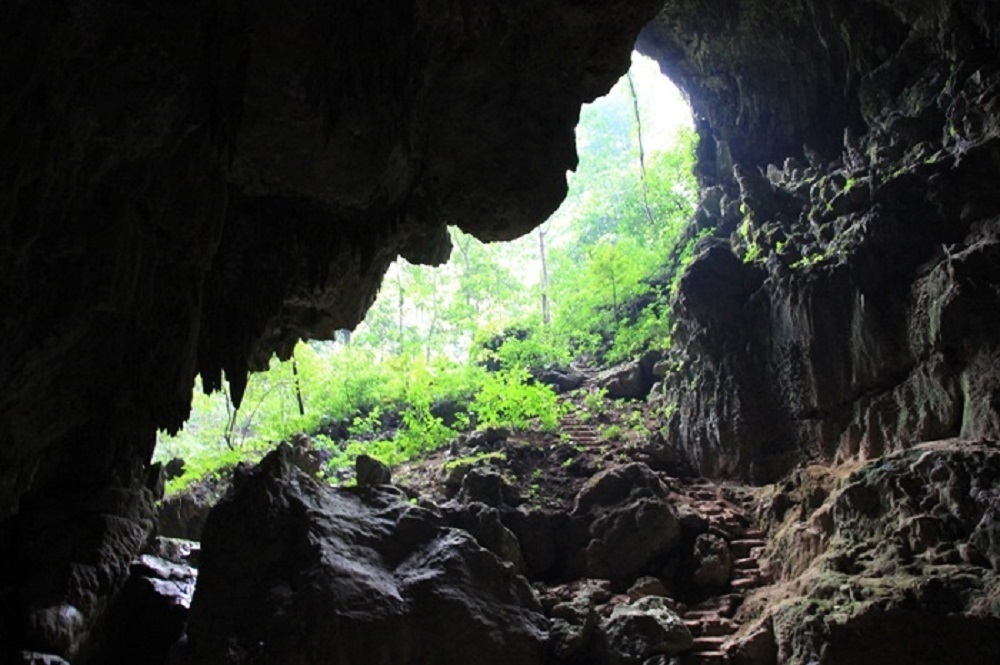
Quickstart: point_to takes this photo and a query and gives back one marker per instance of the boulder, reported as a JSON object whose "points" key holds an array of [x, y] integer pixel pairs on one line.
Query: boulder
{"points": [[183, 514], [176, 550], [714, 562], [486, 439], [572, 609], [616, 485], [647, 586], [625, 381], [487, 485], [149, 614], [293, 571], [561, 380], [483, 522], [632, 538], [534, 531], [174, 468], [631, 525], [644, 629], [369, 471]]}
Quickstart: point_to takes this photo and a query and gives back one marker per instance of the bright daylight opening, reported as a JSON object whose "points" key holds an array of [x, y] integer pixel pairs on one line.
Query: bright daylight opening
{"points": [[493, 337]]}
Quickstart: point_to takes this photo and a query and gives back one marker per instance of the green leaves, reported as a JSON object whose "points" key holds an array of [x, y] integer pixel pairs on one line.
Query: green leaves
{"points": [[511, 399], [611, 254]]}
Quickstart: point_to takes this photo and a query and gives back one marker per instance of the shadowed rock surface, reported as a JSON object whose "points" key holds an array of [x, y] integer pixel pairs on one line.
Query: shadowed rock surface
{"points": [[894, 562], [293, 571], [848, 305], [190, 187]]}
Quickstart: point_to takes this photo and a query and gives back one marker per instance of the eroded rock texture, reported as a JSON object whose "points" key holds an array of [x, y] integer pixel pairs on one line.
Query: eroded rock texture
{"points": [[293, 571], [189, 188], [849, 304], [896, 561]]}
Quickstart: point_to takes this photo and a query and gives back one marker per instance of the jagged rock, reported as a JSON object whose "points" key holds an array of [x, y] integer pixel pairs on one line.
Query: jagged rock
{"points": [[534, 531], [174, 468], [369, 471], [870, 333], [904, 568], [616, 485], [176, 550], [625, 381], [485, 439], [631, 524], [714, 561], [561, 380], [483, 522], [648, 586], [572, 609], [630, 539], [754, 646], [149, 614], [643, 629], [294, 571], [183, 514], [487, 485]]}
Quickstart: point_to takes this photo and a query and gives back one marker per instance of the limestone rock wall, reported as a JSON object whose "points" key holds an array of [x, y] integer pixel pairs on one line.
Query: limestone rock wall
{"points": [[192, 186], [848, 303]]}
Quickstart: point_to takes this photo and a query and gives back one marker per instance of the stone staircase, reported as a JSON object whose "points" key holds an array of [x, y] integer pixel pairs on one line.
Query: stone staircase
{"points": [[581, 432], [712, 622]]}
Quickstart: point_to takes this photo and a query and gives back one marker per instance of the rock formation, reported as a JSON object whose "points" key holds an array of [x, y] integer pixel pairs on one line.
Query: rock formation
{"points": [[848, 305], [894, 562], [190, 187], [293, 571]]}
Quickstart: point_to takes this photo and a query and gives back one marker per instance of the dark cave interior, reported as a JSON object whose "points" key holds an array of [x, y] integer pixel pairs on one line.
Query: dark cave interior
{"points": [[190, 187]]}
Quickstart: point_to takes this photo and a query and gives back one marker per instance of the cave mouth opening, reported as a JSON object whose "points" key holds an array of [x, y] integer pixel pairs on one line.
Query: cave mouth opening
{"points": [[588, 286]]}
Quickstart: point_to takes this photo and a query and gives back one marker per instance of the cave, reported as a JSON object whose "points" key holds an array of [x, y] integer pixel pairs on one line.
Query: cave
{"points": [[189, 188]]}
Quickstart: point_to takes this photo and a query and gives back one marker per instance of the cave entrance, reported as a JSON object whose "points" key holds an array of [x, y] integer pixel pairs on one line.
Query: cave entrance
{"points": [[447, 349]]}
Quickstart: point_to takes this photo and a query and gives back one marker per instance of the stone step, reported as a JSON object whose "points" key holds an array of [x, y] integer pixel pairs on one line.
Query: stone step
{"points": [[746, 545], [749, 563], [756, 534], [705, 658], [716, 627], [707, 643], [698, 614], [745, 583]]}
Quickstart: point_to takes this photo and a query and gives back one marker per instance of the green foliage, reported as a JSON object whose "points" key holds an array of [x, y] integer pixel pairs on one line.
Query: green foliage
{"points": [[511, 399], [612, 256], [595, 401], [611, 432], [475, 460]]}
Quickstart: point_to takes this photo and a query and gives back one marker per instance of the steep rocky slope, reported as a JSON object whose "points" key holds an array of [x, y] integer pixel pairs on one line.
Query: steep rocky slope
{"points": [[190, 187], [849, 304]]}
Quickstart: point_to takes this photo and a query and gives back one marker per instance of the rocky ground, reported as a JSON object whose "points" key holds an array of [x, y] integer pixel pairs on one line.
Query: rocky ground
{"points": [[578, 548]]}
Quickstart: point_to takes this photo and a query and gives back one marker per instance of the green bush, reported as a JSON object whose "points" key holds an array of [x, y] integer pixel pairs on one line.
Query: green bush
{"points": [[510, 398]]}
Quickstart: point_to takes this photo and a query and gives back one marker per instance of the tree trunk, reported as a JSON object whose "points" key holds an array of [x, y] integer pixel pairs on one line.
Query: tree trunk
{"points": [[298, 386], [545, 277]]}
